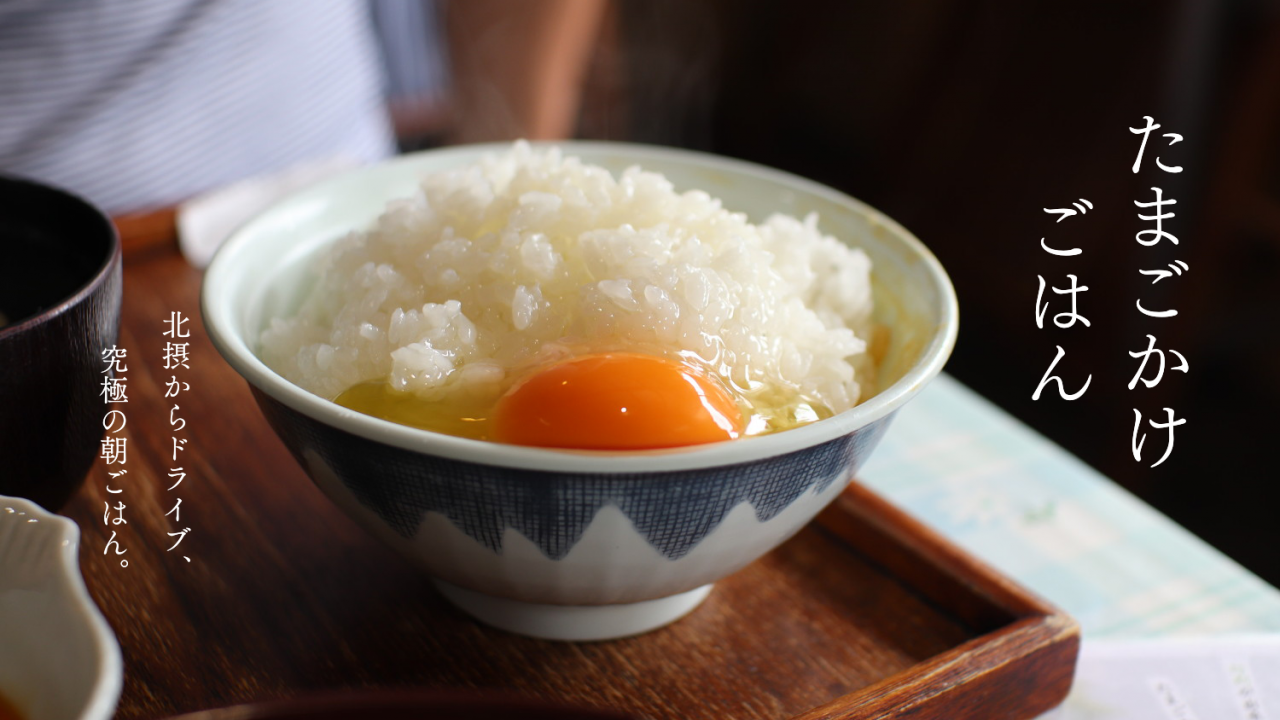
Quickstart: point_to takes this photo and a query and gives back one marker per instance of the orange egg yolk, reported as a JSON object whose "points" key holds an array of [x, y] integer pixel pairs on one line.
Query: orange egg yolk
{"points": [[616, 401]]}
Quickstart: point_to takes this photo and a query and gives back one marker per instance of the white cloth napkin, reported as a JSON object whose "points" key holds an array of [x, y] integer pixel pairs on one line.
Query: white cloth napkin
{"points": [[206, 220]]}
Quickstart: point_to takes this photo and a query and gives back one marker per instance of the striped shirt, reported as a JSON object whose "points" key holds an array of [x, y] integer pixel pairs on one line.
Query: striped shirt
{"points": [[138, 104]]}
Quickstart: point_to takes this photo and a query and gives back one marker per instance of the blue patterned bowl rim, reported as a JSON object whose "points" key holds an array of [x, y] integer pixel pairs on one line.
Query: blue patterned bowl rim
{"points": [[227, 297]]}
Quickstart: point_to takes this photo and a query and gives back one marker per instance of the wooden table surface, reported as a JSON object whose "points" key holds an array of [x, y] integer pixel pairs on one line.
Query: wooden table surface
{"points": [[275, 593], [240, 620]]}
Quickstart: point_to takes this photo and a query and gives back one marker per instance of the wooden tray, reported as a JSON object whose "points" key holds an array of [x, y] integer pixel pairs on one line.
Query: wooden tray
{"points": [[865, 614]]}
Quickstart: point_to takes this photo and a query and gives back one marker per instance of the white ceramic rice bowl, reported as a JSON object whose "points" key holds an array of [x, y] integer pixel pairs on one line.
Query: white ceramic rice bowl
{"points": [[574, 545]]}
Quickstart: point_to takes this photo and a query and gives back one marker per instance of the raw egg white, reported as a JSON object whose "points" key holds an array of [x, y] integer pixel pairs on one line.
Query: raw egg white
{"points": [[598, 401]]}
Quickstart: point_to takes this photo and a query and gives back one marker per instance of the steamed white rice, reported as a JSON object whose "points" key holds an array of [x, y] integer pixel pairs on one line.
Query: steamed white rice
{"points": [[532, 256]]}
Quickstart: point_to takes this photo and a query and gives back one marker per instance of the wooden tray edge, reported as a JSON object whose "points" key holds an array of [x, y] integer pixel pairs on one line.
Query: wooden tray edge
{"points": [[929, 563], [1022, 666]]}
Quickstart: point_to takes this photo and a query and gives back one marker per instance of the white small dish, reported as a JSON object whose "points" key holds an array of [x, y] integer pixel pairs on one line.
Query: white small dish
{"points": [[58, 657]]}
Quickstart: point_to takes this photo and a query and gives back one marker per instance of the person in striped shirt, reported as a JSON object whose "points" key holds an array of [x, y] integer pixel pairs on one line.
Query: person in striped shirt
{"points": [[141, 104]]}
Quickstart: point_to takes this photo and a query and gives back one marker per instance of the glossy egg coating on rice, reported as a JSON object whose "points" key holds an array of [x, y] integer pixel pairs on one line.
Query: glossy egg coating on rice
{"points": [[492, 274]]}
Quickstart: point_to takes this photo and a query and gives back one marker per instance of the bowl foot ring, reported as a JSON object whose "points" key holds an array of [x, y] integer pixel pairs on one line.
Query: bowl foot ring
{"points": [[573, 622]]}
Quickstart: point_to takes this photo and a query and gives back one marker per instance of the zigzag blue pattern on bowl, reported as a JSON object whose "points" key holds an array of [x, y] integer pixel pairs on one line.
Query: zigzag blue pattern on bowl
{"points": [[673, 511]]}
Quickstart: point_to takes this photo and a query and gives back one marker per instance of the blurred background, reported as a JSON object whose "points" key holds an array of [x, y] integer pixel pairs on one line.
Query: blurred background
{"points": [[964, 121]]}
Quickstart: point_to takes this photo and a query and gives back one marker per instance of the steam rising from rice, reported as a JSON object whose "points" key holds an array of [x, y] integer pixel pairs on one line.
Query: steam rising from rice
{"points": [[532, 256]]}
